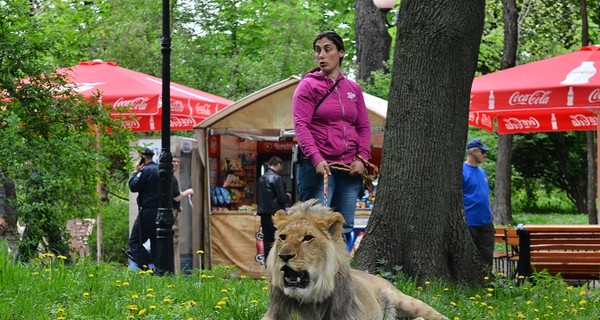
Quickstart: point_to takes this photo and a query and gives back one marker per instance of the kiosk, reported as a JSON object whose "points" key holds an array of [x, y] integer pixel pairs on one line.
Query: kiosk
{"points": [[237, 141]]}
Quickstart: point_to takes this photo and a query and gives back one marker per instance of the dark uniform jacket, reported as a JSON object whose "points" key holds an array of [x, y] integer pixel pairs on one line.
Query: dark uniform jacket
{"points": [[145, 183], [270, 194]]}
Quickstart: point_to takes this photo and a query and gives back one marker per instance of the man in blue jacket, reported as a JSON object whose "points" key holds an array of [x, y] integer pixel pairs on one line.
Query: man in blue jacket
{"points": [[476, 195], [145, 182]]}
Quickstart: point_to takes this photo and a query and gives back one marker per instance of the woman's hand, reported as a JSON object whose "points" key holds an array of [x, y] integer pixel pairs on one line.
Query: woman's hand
{"points": [[357, 167], [322, 168]]}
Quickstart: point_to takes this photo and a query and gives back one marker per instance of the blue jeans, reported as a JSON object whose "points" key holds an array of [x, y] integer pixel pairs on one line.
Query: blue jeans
{"points": [[344, 189]]}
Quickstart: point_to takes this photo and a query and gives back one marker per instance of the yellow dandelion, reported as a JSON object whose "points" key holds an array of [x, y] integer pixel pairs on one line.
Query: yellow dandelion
{"points": [[521, 316], [203, 276], [490, 307], [152, 307], [36, 273], [427, 283], [200, 252], [471, 298], [582, 302], [61, 257], [490, 289], [263, 277], [90, 275], [456, 318], [118, 281], [446, 289], [149, 290], [452, 303], [217, 307], [60, 318], [131, 317], [528, 302], [265, 288], [486, 278], [536, 310], [489, 295], [565, 300], [243, 277], [500, 274], [221, 303], [135, 296], [149, 295], [47, 270], [125, 283], [141, 312], [521, 277], [549, 307], [582, 293], [254, 301], [167, 300], [60, 310], [224, 290], [86, 294], [419, 288], [171, 286], [132, 307]]}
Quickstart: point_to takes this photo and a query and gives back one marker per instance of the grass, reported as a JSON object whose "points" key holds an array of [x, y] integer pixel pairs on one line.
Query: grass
{"points": [[48, 289]]}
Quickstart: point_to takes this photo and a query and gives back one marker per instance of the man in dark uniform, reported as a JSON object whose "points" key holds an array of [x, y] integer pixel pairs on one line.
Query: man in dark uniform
{"points": [[271, 197], [145, 182]]}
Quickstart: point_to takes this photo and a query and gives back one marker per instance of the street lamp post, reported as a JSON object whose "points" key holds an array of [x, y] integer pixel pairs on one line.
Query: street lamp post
{"points": [[163, 254]]}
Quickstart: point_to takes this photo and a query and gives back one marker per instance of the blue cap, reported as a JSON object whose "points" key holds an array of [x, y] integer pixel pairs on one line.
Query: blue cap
{"points": [[148, 151], [476, 143]]}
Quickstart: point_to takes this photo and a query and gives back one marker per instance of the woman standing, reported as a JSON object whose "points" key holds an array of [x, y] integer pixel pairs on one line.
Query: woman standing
{"points": [[331, 125]]}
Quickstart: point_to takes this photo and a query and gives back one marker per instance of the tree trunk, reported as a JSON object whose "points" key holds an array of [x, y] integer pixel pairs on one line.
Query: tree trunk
{"points": [[591, 147], [418, 221], [502, 208], [373, 41]]}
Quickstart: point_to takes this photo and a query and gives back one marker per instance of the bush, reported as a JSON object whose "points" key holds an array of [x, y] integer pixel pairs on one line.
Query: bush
{"points": [[115, 232]]}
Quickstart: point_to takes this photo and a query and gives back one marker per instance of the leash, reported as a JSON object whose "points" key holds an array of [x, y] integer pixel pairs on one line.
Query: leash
{"points": [[369, 175]]}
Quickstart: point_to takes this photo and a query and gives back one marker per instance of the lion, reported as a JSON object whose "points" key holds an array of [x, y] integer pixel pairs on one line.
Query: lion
{"points": [[310, 278]]}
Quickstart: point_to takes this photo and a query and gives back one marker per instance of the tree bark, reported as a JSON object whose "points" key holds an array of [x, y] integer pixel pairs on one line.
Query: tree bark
{"points": [[418, 221], [591, 147], [502, 207], [373, 41]]}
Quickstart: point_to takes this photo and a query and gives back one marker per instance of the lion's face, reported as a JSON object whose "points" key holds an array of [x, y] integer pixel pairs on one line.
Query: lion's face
{"points": [[307, 253]]}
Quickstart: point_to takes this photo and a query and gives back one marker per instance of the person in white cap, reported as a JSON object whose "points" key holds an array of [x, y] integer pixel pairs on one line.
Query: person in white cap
{"points": [[476, 195]]}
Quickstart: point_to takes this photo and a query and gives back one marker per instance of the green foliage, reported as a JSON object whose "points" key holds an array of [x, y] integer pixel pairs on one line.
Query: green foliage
{"points": [[47, 128], [115, 232]]}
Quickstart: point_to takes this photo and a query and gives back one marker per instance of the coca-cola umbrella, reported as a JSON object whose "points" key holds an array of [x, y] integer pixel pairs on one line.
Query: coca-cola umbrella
{"points": [[555, 94], [135, 97]]}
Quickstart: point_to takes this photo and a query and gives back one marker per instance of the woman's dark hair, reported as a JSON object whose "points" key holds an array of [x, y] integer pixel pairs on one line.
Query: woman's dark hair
{"points": [[333, 37]]}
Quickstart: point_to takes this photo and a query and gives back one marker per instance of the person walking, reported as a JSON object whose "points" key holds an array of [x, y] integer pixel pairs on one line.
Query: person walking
{"points": [[177, 197], [271, 197], [476, 195], [332, 126], [145, 182]]}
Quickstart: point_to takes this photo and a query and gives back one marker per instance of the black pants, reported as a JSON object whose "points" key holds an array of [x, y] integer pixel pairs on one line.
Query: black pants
{"points": [[268, 230], [485, 241], [144, 228]]}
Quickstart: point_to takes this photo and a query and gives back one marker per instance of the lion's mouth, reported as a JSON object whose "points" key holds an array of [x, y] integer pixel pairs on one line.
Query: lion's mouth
{"points": [[293, 278]]}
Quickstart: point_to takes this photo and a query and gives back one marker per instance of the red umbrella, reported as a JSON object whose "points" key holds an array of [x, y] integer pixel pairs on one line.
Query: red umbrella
{"points": [[556, 94], [136, 97]]}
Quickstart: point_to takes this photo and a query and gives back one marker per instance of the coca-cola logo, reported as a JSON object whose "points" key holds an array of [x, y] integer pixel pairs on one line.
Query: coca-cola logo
{"points": [[581, 120], [177, 106], [519, 124], [203, 110], [486, 120], [594, 96], [537, 97], [136, 104], [130, 123], [180, 122]]}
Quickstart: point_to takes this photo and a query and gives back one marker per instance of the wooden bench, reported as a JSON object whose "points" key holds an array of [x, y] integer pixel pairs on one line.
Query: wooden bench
{"points": [[573, 251], [505, 260]]}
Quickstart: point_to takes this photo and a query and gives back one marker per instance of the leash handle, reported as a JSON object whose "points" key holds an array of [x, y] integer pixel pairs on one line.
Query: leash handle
{"points": [[325, 186]]}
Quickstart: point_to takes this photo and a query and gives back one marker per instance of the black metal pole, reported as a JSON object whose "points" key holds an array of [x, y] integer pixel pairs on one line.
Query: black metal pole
{"points": [[163, 254]]}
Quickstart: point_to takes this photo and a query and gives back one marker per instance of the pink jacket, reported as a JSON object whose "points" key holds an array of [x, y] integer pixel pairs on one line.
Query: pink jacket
{"points": [[339, 131]]}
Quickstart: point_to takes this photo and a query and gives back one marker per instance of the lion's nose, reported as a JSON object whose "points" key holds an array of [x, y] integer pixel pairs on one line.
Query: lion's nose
{"points": [[286, 256]]}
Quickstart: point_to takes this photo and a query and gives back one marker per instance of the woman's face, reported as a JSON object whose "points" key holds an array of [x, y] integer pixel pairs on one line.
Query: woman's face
{"points": [[327, 55]]}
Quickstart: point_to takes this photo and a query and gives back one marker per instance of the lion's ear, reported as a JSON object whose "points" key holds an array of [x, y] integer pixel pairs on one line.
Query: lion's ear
{"points": [[279, 217], [335, 223]]}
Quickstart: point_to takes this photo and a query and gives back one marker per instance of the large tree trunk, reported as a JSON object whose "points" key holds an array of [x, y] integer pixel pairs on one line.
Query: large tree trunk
{"points": [[502, 190], [418, 221], [591, 147], [372, 38]]}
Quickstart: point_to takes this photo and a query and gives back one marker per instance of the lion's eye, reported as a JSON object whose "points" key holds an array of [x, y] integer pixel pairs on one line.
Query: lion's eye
{"points": [[282, 237], [307, 238]]}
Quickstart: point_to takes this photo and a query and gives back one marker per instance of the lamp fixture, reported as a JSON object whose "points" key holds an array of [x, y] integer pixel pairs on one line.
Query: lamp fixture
{"points": [[386, 6]]}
